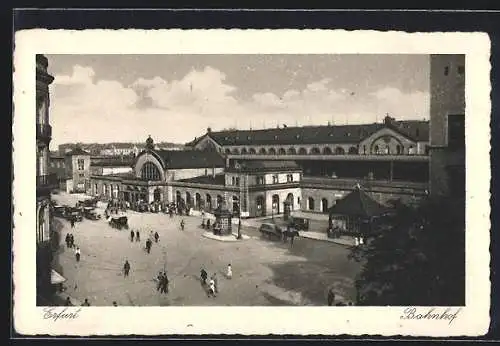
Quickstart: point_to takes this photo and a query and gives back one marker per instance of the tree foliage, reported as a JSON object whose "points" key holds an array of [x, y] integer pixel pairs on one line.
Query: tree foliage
{"points": [[417, 258]]}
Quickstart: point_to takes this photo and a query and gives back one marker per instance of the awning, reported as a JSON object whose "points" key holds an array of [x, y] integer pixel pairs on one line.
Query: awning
{"points": [[56, 278]]}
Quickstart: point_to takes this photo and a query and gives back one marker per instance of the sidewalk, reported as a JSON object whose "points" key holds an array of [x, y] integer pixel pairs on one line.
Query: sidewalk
{"points": [[226, 238], [344, 240]]}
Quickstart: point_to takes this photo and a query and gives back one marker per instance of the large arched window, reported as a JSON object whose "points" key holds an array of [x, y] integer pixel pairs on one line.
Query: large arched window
{"points": [[244, 151], [315, 151], [302, 151], [353, 151], [252, 151], [150, 172], [262, 151], [228, 151], [292, 151], [339, 151], [272, 151], [310, 203], [236, 151], [282, 151], [327, 151]]}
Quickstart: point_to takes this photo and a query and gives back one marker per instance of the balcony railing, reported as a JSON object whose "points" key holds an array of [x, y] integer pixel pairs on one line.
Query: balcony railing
{"points": [[47, 181], [43, 131]]}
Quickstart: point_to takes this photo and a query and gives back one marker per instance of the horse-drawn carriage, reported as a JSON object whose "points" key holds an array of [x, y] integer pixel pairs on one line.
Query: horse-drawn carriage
{"points": [[119, 222]]}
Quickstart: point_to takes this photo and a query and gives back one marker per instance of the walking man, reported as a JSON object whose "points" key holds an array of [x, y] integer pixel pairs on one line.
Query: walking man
{"points": [[67, 240], [182, 224], [203, 276], [86, 302], [77, 254], [137, 236], [157, 237], [72, 222], [216, 283], [211, 288], [71, 240], [160, 280], [126, 268], [229, 272], [148, 246]]}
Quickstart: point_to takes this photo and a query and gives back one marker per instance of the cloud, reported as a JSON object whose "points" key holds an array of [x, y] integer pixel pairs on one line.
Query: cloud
{"points": [[85, 108]]}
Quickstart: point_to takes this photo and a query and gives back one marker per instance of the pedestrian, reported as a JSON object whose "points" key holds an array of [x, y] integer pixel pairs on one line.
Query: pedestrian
{"points": [[182, 224], [115, 304], [77, 254], [148, 246], [72, 222], [164, 284], [68, 302], [208, 224], [211, 288], [160, 280], [331, 297], [203, 276], [71, 240], [292, 237], [157, 237], [229, 272], [132, 233], [67, 240], [216, 283], [137, 236], [126, 268], [86, 302]]}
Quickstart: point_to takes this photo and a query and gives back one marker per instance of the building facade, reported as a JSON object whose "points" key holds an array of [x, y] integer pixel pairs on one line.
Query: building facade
{"points": [[388, 138], [447, 125], [45, 180], [77, 165]]}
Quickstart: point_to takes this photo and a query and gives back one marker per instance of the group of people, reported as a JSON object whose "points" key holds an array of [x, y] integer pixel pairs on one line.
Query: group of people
{"points": [[70, 244], [162, 285], [212, 286]]}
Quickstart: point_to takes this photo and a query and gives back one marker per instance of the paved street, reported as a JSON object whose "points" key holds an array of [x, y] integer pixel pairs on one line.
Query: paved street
{"points": [[264, 272]]}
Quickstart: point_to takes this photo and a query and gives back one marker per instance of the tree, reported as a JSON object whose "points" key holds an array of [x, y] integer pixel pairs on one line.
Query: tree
{"points": [[418, 258]]}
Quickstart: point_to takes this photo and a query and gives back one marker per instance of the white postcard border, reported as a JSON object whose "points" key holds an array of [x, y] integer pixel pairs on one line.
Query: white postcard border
{"points": [[473, 319]]}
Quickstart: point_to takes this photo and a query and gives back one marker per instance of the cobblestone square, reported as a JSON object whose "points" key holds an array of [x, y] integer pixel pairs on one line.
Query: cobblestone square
{"points": [[264, 272]]}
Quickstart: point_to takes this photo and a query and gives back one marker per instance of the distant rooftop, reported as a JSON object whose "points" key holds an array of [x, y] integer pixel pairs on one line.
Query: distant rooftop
{"points": [[219, 179]]}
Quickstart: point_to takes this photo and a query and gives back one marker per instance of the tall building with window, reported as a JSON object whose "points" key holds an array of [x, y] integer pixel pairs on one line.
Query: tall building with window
{"points": [[447, 125], [77, 165], [45, 181]]}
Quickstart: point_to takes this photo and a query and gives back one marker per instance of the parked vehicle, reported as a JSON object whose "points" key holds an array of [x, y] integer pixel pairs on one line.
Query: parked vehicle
{"points": [[299, 223], [119, 222], [59, 211], [90, 214], [74, 213], [271, 230]]}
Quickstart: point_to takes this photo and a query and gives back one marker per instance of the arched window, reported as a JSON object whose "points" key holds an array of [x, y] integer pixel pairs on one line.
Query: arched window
{"points": [[327, 151], [310, 203], [150, 172], [353, 151], [236, 151], [219, 201], [260, 204], [276, 204], [272, 151], [209, 202], [315, 151], [244, 151], [302, 151], [282, 151], [292, 151], [227, 151], [252, 151], [197, 201], [324, 205], [262, 151], [339, 151]]}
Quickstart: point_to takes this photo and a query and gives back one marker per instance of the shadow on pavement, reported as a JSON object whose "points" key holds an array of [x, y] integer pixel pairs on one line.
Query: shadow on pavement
{"points": [[313, 281]]}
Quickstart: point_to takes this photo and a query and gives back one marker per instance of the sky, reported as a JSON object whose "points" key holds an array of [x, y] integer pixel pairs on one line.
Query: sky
{"points": [[175, 98]]}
